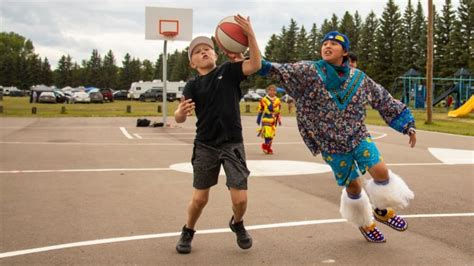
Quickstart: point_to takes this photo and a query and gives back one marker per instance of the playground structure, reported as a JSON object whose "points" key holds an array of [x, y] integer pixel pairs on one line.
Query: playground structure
{"points": [[464, 110], [414, 88]]}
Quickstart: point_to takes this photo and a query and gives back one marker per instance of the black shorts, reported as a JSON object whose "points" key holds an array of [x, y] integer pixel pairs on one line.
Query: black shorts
{"points": [[207, 161]]}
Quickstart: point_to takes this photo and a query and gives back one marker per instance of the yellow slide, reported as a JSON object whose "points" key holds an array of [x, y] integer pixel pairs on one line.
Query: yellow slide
{"points": [[464, 110]]}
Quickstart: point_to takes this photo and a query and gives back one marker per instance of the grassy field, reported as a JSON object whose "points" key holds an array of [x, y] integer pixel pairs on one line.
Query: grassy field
{"points": [[20, 107]]}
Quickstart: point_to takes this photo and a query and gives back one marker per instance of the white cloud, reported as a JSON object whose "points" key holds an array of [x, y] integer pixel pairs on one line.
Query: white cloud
{"points": [[77, 27]]}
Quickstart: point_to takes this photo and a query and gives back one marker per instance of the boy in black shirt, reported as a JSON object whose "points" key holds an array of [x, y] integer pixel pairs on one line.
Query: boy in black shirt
{"points": [[215, 95]]}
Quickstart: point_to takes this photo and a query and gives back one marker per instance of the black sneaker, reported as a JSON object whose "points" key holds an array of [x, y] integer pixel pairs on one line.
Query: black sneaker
{"points": [[244, 240], [184, 244]]}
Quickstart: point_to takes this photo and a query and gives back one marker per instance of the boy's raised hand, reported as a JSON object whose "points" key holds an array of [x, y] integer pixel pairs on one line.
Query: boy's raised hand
{"points": [[245, 24]]}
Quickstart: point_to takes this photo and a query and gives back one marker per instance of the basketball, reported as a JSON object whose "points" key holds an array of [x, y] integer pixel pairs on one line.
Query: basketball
{"points": [[230, 37]]}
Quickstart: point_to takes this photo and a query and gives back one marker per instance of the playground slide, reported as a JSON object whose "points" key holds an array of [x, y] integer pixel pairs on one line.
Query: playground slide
{"points": [[464, 109]]}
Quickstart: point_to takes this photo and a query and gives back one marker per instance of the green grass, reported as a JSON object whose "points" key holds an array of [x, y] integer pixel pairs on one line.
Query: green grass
{"points": [[20, 107]]}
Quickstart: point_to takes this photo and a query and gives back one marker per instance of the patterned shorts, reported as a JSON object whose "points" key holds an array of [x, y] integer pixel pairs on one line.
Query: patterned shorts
{"points": [[349, 166]]}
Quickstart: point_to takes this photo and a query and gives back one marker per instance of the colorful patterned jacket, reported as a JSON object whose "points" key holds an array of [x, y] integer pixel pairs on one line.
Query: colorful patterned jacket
{"points": [[333, 121]]}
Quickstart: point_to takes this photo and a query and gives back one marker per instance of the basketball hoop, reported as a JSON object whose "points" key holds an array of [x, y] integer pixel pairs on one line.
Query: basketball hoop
{"points": [[169, 34], [168, 28]]}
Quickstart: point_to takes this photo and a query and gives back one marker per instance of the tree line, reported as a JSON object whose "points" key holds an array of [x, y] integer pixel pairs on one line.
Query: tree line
{"points": [[387, 47]]}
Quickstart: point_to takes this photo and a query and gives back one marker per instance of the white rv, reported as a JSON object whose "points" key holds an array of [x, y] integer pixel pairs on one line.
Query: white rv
{"points": [[174, 89], [7, 90]]}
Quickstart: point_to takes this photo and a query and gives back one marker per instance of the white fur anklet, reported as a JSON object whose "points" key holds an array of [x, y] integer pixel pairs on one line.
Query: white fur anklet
{"points": [[357, 211], [395, 194]]}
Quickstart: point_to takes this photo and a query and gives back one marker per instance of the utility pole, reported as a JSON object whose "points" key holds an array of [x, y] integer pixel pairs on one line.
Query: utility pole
{"points": [[429, 65]]}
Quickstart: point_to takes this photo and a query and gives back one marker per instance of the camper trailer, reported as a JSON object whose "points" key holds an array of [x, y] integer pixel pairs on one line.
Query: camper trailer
{"points": [[7, 90], [174, 89]]}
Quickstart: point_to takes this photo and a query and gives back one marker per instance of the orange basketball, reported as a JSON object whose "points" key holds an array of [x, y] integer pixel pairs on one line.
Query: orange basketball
{"points": [[230, 37]]}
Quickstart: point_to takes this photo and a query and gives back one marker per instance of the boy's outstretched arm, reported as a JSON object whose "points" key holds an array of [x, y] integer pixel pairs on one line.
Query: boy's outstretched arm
{"points": [[254, 63]]}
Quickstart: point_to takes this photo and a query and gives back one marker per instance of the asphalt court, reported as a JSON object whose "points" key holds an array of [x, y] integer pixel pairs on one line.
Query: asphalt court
{"points": [[102, 191]]}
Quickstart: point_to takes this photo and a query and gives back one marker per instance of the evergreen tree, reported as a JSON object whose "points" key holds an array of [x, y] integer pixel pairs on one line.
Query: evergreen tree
{"points": [[125, 77], [147, 70], [94, 69], [327, 27], [135, 73], [334, 23], [180, 70], [287, 43], [172, 61], [466, 32], [78, 76], [33, 71], [410, 40], [303, 50], [314, 39], [457, 47], [366, 55], [347, 27], [444, 27], [64, 72], [46, 73], [420, 30], [159, 68], [270, 49], [22, 72], [389, 47], [109, 71], [357, 33]]}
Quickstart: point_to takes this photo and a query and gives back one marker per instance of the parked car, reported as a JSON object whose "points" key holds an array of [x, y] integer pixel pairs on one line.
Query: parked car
{"points": [[96, 97], [261, 92], [17, 93], [60, 96], [107, 94], [156, 95], [47, 97], [287, 98], [151, 95], [81, 97], [121, 95], [252, 97]]}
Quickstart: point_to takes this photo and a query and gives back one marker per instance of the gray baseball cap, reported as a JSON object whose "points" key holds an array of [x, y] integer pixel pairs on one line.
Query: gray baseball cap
{"points": [[197, 41]]}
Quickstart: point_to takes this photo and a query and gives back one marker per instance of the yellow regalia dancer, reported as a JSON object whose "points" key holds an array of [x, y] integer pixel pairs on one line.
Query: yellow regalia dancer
{"points": [[268, 117]]}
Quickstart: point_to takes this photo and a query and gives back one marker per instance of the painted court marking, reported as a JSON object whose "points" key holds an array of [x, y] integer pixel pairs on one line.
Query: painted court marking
{"points": [[203, 232], [269, 168], [452, 156], [125, 132], [257, 168]]}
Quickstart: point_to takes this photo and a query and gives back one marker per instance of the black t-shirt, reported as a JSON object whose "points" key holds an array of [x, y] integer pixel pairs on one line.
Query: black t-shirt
{"points": [[216, 96]]}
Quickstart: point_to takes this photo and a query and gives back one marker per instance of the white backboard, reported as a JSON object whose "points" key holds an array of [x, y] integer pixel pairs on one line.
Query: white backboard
{"points": [[172, 19]]}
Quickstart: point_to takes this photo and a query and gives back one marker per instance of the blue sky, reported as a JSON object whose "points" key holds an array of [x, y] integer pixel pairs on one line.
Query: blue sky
{"points": [[75, 27]]}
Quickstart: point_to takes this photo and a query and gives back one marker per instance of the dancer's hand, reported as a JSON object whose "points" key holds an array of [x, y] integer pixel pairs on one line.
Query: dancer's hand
{"points": [[412, 135]]}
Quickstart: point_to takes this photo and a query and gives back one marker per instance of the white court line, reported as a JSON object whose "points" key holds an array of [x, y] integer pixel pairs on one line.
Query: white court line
{"points": [[202, 232], [169, 169], [382, 135], [124, 131], [137, 136], [84, 170]]}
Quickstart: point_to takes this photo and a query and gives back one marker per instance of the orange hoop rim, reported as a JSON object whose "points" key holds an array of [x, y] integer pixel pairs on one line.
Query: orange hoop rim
{"points": [[169, 34]]}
